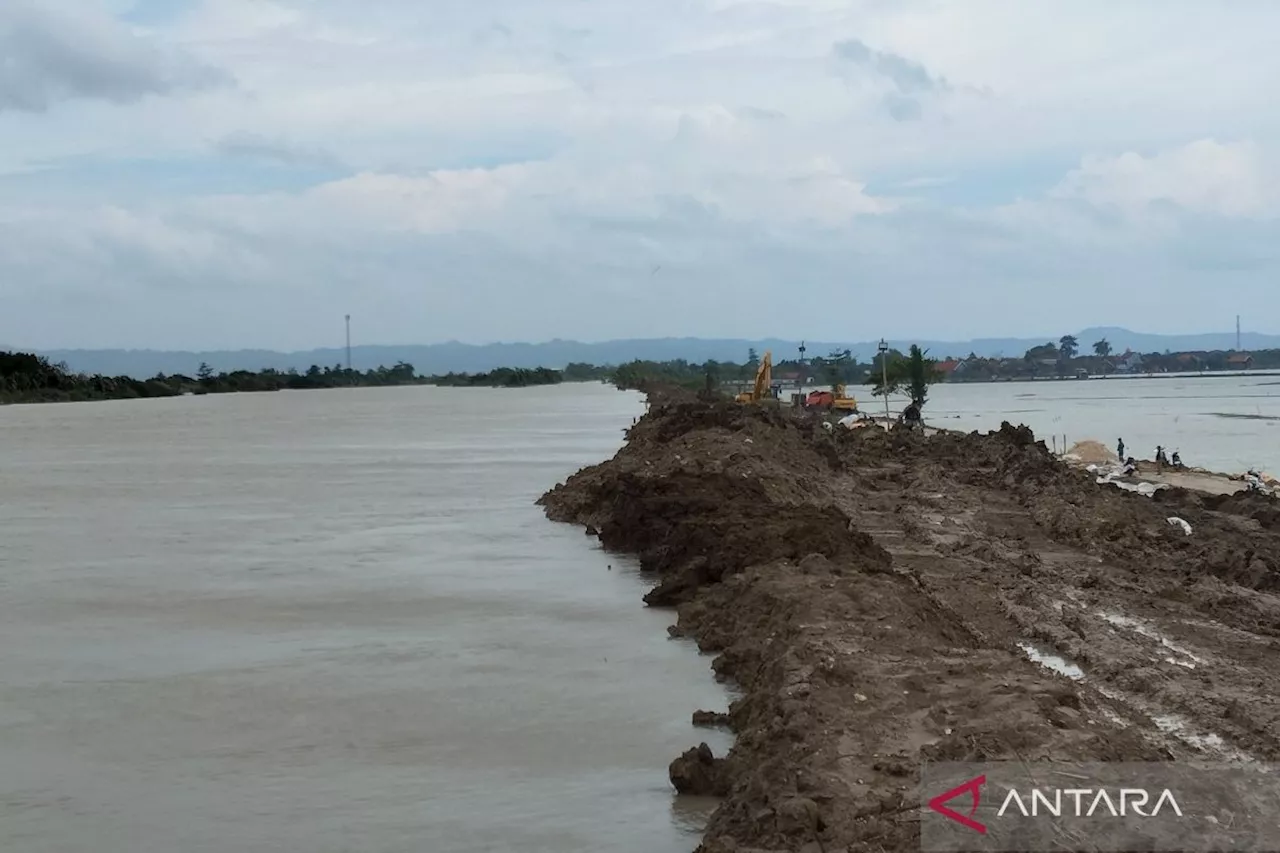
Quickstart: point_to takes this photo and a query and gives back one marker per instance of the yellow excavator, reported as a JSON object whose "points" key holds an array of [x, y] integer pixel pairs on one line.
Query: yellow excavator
{"points": [[763, 387], [841, 402]]}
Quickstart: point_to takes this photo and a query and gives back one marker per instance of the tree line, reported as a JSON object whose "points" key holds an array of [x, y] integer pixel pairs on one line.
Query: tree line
{"points": [[28, 378], [25, 377], [503, 377], [1069, 358]]}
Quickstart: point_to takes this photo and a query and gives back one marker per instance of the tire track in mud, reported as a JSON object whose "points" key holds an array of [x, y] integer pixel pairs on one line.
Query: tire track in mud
{"points": [[878, 600], [1210, 701]]}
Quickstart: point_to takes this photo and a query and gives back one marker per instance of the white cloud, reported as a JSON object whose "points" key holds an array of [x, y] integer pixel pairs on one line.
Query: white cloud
{"points": [[1205, 176], [518, 169]]}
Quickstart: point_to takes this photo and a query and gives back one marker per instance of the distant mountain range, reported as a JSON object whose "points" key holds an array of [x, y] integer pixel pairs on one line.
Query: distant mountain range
{"points": [[470, 358]]}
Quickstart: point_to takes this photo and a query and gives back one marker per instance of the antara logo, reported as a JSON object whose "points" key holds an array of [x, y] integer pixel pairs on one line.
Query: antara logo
{"points": [[974, 789], [1049, 802], [1132, 801]]}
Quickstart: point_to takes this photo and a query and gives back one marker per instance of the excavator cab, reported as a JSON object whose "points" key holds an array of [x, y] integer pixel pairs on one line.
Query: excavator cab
{"points": [[841, 402]]}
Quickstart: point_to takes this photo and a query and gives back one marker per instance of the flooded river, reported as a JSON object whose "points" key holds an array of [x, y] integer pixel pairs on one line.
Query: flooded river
{"points": [[1226, 424], [329, 621]]}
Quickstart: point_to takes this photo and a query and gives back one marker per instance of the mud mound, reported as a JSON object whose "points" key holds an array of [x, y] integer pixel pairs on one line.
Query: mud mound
{"points": [[1133, 530], [1261, 508], [669, 421], [699, 529], [787, 460], [1001, 458]]}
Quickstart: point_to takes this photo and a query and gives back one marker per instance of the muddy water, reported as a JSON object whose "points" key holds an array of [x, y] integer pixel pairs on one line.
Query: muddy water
{"points": [[328, 621], [1220, 423]]}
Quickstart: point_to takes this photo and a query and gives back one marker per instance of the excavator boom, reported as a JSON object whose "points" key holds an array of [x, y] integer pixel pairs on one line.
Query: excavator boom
{"points": [[764, 381], [764, 377]]}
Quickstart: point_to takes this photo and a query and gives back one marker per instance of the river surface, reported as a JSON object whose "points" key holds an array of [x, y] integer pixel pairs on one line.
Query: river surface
{"points": [[329, 621]]}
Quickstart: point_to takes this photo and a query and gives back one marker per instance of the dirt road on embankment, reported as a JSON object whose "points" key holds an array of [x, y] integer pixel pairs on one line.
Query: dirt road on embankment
{"points": [[879, 599]]}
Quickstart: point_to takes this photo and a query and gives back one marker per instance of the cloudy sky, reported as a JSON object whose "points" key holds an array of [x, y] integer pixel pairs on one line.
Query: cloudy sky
{"points": [[236, 173]]}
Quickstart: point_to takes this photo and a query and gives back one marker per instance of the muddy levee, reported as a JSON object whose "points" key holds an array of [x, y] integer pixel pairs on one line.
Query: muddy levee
{"points": [[881, 599]]}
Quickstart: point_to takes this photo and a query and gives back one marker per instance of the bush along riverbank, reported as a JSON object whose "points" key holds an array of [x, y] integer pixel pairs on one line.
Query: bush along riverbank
{"points": [[873, 595]]}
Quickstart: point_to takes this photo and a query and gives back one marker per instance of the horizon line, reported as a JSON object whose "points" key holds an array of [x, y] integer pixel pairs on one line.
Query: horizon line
{"points": [[454, 342]]}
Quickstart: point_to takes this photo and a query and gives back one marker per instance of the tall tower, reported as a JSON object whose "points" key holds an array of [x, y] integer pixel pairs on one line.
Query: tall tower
{"points": [[348, 342], [1237, 333], [802, 352]]}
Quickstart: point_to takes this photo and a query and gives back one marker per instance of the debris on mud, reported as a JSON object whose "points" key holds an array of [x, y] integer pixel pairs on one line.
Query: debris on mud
{"points": [[872, 594]]}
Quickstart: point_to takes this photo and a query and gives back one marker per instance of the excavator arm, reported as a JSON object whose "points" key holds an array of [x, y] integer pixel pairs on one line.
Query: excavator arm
{"points": [[764, 380], [764, 377]]}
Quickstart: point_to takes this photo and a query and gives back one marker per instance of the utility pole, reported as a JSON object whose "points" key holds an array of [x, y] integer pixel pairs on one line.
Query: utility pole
{"points": [[348, 342], [884, 380], [1237, 333]]}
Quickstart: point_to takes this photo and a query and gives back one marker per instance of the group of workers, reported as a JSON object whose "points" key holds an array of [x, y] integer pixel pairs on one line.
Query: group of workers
{"points": [[1162, 460]]}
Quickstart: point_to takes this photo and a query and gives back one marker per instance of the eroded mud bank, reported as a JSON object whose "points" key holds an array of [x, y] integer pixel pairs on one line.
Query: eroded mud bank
{"points": [[880, 599]]}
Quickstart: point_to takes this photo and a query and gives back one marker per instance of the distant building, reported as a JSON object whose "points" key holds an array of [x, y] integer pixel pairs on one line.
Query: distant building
{"points": [[1240, 361], [948, 367], [1130, 362]]}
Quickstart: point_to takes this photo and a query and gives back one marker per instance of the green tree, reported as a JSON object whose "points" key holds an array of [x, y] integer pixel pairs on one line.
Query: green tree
{"points": [[921, 373], [912, 373], [1102, 348], [204, 372], [1068, 346]]}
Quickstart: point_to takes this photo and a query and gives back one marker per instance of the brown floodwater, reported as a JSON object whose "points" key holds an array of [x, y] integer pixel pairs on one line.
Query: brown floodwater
{"points": [[329, 621]]}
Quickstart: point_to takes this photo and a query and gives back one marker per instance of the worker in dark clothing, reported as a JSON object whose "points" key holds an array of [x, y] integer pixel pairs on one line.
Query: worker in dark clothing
{"points": [[911, 416], [1120, 449], [1161, 459]]}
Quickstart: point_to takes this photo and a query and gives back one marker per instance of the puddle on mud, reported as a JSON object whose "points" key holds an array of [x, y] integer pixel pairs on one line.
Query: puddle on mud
{"points": [[1146, 630], [1180, 727], [1173, 725], [1052, 661]]}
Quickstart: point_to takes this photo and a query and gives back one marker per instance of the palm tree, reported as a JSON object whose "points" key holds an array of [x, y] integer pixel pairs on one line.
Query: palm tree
{"points": [[1068, 346]]}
